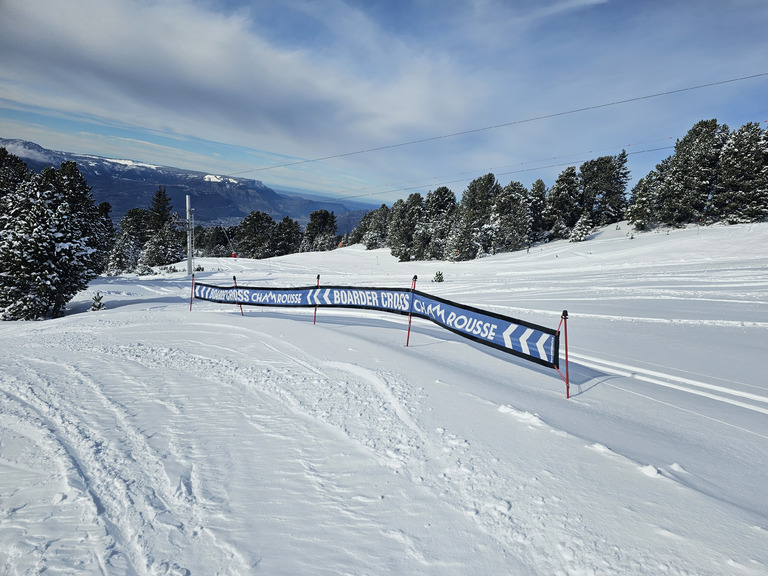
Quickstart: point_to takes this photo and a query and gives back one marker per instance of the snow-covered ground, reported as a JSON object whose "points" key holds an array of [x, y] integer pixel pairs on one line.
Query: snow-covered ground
{"points": [[151, 439]]}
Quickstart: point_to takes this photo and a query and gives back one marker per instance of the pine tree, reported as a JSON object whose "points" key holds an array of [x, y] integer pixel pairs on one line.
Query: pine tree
{"points": [[320, 233], [563, 203], [27, 251], [437, 219], [613, 204], [107, 233], [254, 235], [537, 201], [741, 194], [13, 171], [96, 303], [136, 224], [52, 240], [644, 210], [212, 241], [163, 248], [472, 235], [582, 228], [403, 219], [397, 235], [159, 211], [691, 178], [286, 237], [594, 178], [511, 219], [124, 255], [375, 225]]}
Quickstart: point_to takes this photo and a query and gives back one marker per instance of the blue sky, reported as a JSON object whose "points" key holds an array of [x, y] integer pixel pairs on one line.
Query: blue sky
{"points": [[253, 87]]}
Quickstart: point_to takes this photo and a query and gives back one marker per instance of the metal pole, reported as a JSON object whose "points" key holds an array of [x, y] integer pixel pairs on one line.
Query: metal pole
{"points": [[190, 241]]}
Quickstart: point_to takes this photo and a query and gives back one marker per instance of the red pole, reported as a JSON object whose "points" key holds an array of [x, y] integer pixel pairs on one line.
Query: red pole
{"points": [[234, 279], [413, 287], [318, 285], [192, 295], [567, 375]]}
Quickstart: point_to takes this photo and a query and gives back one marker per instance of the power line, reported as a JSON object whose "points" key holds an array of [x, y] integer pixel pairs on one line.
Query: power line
{"points": [[503, 125], [465, 178]]}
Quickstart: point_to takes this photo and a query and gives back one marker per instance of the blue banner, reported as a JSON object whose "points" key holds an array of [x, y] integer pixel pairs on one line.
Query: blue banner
{"points": [[524, 339]]}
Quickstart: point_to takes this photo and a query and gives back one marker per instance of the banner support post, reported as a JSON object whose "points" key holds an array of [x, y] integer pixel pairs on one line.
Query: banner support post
{"points": [[567, 375], [413, 287], [318, 288], [234, 280], [192, 295]]}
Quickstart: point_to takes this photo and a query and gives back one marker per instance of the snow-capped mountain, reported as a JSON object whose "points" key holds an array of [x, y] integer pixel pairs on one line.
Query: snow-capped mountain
{"points": [[127, 184]]}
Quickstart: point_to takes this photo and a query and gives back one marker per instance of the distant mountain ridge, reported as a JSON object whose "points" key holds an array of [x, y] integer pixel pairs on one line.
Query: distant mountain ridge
{"points": [[216, 199]]}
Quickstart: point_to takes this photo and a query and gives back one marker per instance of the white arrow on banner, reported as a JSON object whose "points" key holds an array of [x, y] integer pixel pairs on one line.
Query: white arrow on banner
{"points": [[325, 296], [540, 346], [314, 297], [524, 341], [507, 335]]}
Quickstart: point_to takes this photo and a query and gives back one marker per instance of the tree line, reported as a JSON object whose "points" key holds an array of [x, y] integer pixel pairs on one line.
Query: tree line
{"points": [[714, 175], [156, 236], [54, 240]]}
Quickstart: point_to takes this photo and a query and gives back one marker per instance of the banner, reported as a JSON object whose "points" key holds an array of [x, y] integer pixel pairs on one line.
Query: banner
{"points": [[524, 339]]}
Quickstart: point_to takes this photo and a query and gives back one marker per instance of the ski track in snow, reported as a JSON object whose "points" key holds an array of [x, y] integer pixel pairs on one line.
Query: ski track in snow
{"points": [[163, 442], [151, 519]]}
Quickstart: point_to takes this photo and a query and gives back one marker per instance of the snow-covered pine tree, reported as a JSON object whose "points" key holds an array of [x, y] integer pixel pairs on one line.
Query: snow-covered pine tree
{"points": [[320, 233], [372, 228], [52, 240], [741, 193], [511, 219], [164, 247], [436, 222], [403, 220], [286, 237], [398, 235], [96, 302], [13, 171], [644, 210], [611, 201], [594, 179], [537, 201], [136, 224], [27, 250], [690, 180], [80, 233], [582, 229], [254, 235], [124, 256], [563, 204], [472, 234]]}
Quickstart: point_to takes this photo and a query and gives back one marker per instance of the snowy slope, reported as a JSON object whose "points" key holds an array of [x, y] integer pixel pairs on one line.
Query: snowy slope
{"points": [[151, 439]]}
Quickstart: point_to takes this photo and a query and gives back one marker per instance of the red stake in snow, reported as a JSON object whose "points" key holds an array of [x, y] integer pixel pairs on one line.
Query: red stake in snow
{"points": [[234, 279], [566, 379], [318, 286], [413, 287]]}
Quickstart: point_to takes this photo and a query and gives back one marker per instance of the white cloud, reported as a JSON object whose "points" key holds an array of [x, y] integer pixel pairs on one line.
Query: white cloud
{"points": [[339, 76]]}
